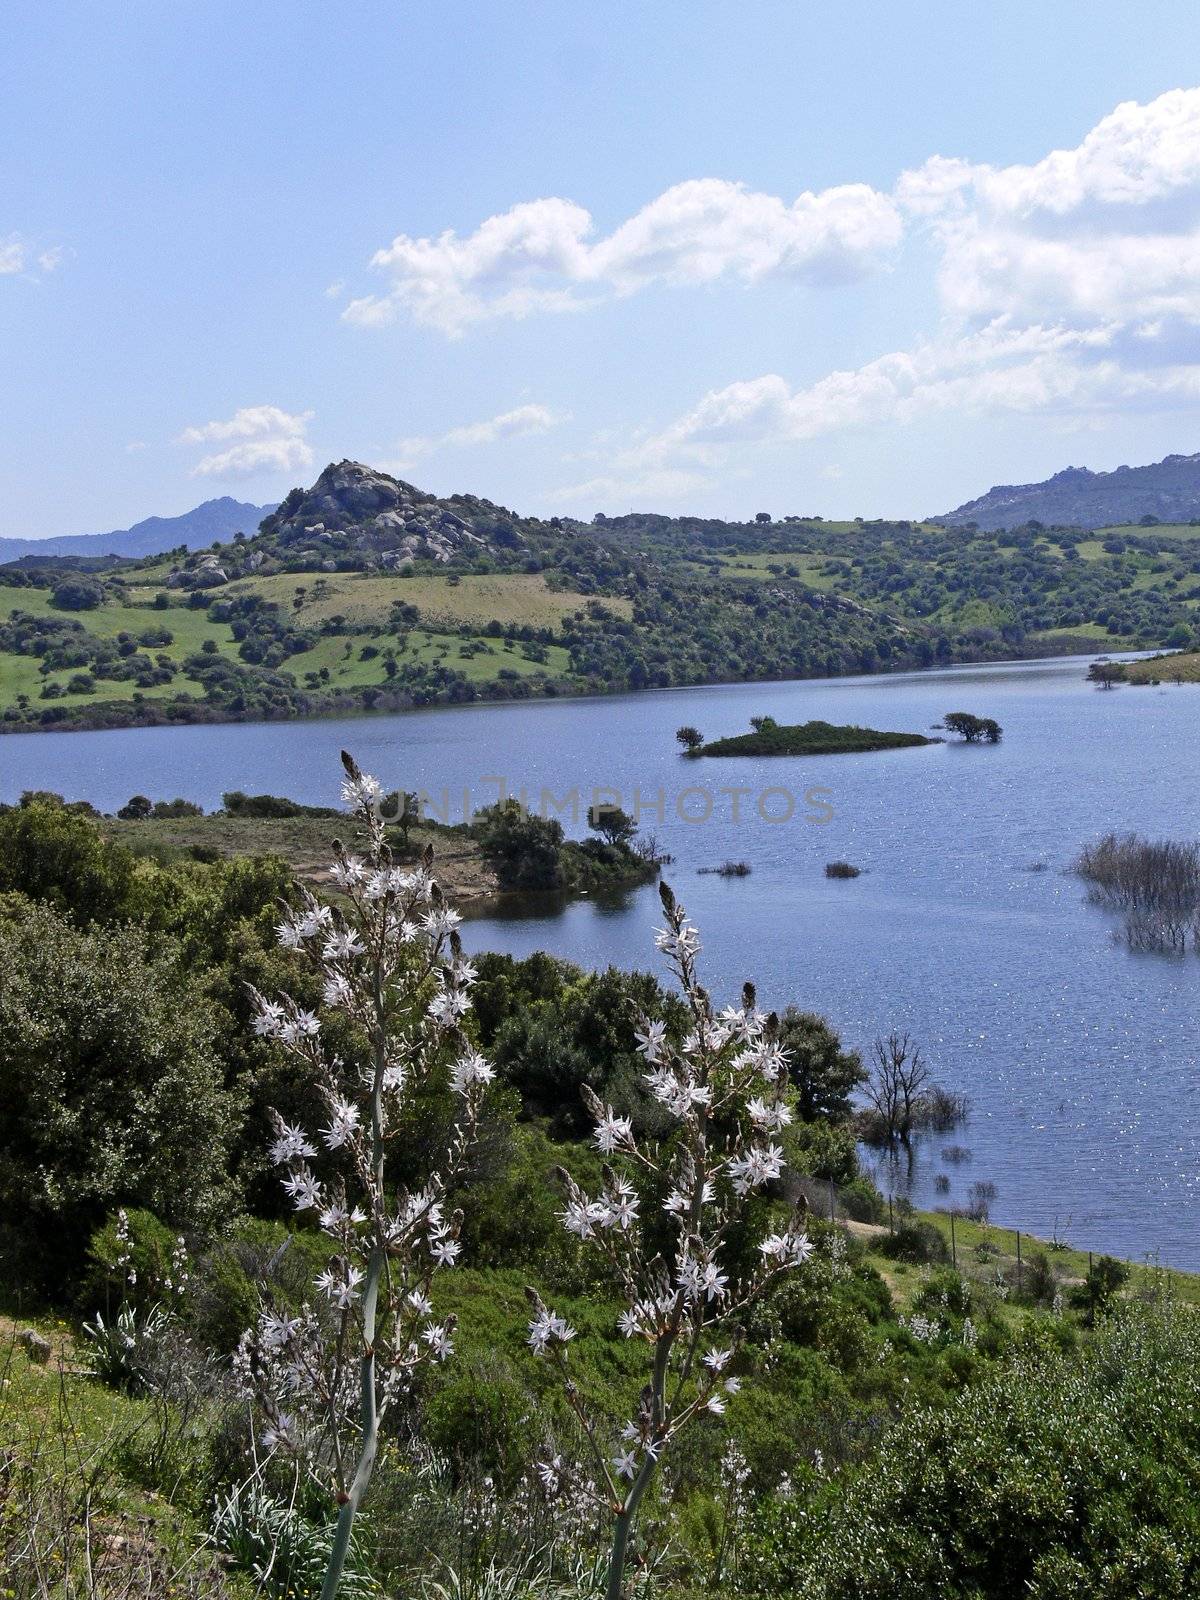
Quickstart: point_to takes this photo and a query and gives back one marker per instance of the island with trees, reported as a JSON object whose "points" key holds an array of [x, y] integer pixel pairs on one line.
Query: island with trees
{"points": [[770, 738]]}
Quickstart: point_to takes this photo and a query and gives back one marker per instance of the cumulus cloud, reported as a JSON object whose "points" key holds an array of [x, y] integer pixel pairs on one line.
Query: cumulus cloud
{"points": [[515, 424], [257, 439], [12, 257], [1069, 287], [540, 256], [1107, 230]]}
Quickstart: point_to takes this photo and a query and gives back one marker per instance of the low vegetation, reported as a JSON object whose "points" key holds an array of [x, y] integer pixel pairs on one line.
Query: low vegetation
{"points": [[770, 738], [1153, 884]]}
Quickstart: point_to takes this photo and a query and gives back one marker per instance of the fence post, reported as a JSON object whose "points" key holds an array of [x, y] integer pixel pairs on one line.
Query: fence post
{"points": [[953, 1243], [1018, 1260]]}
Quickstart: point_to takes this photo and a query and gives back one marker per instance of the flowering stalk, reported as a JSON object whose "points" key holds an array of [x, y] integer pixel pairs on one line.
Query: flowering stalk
{"points": [[724, 1087], [392, 966]]}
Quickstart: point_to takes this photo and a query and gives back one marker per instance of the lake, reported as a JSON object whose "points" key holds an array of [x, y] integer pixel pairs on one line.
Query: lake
{"points": [[1081, 1061]]}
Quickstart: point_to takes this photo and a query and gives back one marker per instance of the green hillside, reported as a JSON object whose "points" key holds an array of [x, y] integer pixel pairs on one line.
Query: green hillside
{"points": [[365, 593]]}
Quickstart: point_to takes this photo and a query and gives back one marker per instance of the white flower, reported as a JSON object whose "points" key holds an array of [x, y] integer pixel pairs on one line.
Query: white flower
{"points": [[280, 1433], [291, 1144], [342, 1288], [344, 1121], [303, 1188], [788, 1249], [757, 1166], [548, 1329], [625, 1463], [445, 1251], [300, 1025], [447, 1006], [342, 944], [439, 922], [769, 1115], [348, 872], [361, 791], [267, 1020], [288, 934], [612, 1131], [437, 1337], [715, 1404], [275, 1331], [470, 1070], [420, 1302], [651, 1039], [335, 1217], [713, 1282], [315, 920], [733, 1385], [582, 1216], [716, 1360]]}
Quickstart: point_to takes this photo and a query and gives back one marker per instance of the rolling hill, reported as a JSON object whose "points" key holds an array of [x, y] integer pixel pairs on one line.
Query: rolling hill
{"points": [[363, 592]]}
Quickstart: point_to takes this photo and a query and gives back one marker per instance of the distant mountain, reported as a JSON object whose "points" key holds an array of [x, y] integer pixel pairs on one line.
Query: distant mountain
{"points": [[215, 519], [1077, 498]]}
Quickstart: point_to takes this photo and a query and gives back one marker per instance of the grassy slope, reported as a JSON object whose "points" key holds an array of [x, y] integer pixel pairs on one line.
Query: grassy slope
{"points": [[1165, 669], [366, 602]]}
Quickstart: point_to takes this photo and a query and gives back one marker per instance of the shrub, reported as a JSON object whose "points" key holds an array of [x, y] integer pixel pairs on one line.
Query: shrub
{"points": [[917, 1242], [111, 1089]]}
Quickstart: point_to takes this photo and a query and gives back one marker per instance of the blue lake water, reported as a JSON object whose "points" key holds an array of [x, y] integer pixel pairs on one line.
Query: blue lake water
{"points": [[1081, 1061]]}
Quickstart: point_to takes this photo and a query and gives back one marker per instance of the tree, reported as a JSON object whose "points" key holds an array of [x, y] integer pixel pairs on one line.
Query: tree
{"points": [[690, 738], [973, 728], [50, 852], [898, 1076], [111, 1087], [615, 827], [77, 592], [136, 809], [524, 851], [402, 809], [1106, 674], [761, 724], [823, 1075], [762, 516]]}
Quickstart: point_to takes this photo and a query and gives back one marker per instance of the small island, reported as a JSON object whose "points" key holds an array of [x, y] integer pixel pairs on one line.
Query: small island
{"points": [[771, 738]]}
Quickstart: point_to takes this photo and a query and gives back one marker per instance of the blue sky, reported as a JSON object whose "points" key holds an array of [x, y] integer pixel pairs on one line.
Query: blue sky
{"points": [[726, 272]]}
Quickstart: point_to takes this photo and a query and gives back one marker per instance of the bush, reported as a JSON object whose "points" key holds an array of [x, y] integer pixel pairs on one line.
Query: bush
{"points": [[111, 1089], [77, 592], [1048, 1478], [918, 1242]]}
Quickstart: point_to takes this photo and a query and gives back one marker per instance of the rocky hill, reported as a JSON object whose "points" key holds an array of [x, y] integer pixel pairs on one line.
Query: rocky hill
{"points": [[352, 506], [1167, 490], [214, 519]]}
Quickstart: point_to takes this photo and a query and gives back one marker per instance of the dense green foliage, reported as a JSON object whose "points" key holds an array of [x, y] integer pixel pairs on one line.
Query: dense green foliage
{"points": [[809, 739], [1061, 1474]]}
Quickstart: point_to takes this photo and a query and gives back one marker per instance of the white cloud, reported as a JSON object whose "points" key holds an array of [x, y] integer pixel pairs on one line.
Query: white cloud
{"points": [[1069, 288], [515, 424], [538, 256], [260, 439], [1107, 230], [18, 256]]}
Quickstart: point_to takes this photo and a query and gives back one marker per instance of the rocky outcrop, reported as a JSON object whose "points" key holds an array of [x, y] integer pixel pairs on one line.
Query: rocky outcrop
{"points": [[351, 505], [1166, 491]]}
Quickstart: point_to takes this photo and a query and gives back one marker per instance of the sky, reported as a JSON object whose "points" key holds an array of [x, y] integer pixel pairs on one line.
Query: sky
{"points": [[785, 255]]}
